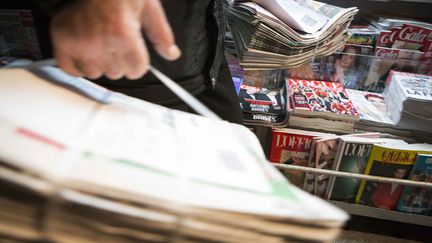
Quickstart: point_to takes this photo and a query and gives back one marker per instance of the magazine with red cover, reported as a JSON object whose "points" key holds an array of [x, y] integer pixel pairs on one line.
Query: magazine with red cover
{"points": [[292, 146], [387, 160], [411, 37], [388, 59], [387, 37], [321, 99]]}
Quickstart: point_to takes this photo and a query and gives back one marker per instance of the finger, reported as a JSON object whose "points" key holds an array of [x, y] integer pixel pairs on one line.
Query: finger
{"points": [[114, 68], [60, 47], [134, 58], [158, 30], [88, 68], [64, 60], [90, 57], [86, 65], [66, 63]]}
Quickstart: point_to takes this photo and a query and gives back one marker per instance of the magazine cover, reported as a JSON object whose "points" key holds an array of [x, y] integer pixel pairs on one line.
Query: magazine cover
{"points": [[234, 65], [325, 153], [349, 67], [236, 70], [387, 161], [353, 158], [411, 37], [425, 66], [270, 79], [418, 200], [291, 146], [386, 38], [414, 86], [321, 99], [262, 100], [265, 119], [377, 100], [237, 82], [387, 59], [311, 70], [369, 111], [363, 35], [309, 177], [410, 96]]}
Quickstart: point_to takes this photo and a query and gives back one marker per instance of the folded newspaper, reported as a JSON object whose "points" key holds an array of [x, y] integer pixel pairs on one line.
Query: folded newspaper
{"points": [[271, 34], [79, 163]]}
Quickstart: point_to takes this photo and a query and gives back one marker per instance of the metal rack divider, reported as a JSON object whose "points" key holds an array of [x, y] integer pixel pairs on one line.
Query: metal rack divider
{"points": [[354, 175], [372, 212]]}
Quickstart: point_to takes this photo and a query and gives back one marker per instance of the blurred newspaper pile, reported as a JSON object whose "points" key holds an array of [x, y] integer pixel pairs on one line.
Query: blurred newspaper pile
{"points": [[79, 163], [270, 34]]}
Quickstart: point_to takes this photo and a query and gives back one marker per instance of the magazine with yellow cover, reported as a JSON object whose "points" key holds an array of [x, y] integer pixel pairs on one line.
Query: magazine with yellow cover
{"points": [[393, 161]]}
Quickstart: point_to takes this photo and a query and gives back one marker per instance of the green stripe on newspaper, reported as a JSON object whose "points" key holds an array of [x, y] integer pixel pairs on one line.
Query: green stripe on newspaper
{"points": [[279, 188]]}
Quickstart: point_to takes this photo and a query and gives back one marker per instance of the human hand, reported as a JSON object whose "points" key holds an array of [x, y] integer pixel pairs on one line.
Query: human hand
{"points": [[92, 38]]}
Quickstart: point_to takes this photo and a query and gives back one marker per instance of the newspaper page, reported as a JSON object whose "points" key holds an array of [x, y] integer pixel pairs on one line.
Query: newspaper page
{"points": [[140, 152]]}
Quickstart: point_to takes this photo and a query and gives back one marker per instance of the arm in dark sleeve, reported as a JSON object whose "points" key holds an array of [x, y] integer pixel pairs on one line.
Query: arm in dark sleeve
{"points": [[43, 11], [51, 6]]}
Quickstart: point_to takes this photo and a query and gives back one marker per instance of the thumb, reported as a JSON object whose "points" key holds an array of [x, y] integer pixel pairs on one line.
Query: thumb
{"points": [[158, 30]]}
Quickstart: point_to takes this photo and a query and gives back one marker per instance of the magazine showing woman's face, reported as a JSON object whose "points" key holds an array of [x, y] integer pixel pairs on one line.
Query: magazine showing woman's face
{"points": [[349, 67]]}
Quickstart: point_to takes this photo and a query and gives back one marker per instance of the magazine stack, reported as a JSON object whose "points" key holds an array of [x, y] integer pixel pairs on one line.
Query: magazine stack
{"points": [[294, 147], [321, 105], [402, 45], [359, 153], [368, 112], [374, 114], [352, 156], [385, 23], [262, 94], [394, 161], [269, 35], [348, 66], [409, 99], [415, 199], [263, 98], [97, 177]]}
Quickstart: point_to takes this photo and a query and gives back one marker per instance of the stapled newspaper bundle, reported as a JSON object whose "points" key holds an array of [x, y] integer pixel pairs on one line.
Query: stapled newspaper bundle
{"points": [[271, 34], [79, 163]]}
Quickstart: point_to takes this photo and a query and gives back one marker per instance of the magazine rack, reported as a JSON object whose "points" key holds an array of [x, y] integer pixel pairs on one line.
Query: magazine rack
{"points": [[357, 68], [360, 72], [367, 211]]}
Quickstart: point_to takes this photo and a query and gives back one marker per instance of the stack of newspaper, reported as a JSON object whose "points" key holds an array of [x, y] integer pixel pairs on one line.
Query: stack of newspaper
{"points": [[79, 163], [387, 22], [271, 34], [409, 99]]}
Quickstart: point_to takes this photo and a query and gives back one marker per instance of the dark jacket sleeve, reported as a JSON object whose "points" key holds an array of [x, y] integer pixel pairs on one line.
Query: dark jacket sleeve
{"points": [[51, 6]]}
